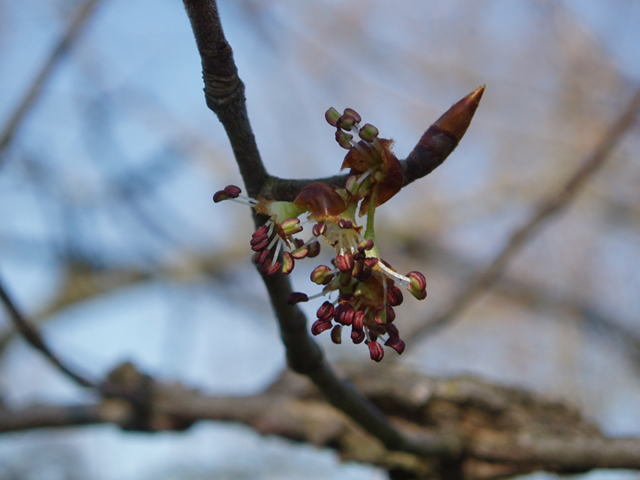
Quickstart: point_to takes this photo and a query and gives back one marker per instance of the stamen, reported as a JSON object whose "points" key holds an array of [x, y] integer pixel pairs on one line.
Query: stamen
{"points": [[401, 278]]}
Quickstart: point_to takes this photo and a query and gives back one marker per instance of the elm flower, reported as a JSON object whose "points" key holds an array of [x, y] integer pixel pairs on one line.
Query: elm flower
{"points": [[361, 288]]}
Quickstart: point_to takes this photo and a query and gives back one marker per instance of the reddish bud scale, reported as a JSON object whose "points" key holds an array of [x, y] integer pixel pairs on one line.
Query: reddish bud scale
{"points": [[320, 200]]}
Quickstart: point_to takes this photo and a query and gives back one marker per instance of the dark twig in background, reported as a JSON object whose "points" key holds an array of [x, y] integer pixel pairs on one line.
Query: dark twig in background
{"points": [[79, 20]]}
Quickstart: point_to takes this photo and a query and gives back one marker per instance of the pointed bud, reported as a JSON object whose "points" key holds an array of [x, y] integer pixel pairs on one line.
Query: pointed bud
{"points": [[320, 326], [375, 351], [336, 334], [297, 297], [442, 137], [418, 285]]}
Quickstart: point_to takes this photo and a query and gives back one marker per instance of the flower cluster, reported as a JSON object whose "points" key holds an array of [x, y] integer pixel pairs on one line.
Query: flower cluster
{"points": [[365, 288]]}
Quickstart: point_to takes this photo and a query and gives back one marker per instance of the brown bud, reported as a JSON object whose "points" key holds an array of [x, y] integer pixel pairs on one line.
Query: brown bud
{"points": [[442, 137]]}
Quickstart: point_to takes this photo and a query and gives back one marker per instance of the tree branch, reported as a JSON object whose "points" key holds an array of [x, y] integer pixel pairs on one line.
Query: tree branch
{"points": [[506, 431], [224, 93]]}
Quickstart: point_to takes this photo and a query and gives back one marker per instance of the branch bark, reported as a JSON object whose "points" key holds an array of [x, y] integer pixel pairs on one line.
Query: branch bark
{"points": [[505, 431]]}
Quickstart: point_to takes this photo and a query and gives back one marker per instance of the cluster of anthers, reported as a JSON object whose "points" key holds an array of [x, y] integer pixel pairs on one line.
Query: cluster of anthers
{"points": [[366, 286]]}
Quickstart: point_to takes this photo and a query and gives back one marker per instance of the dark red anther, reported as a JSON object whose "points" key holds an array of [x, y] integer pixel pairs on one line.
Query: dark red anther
{"points": [[261, 257], [344, 314], [297, 297], [320, 326], [319, 229], [345, 262], [376, 352], [392, 330], [358, 320], [261, 245], [357, 336], [371, 262], [232, 191], [391, 314], [394, 296], [396, 343], [325, 312], [269, 269], [346, 224]]}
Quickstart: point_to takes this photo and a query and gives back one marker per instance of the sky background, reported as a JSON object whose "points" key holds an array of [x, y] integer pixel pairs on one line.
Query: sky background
{"points": [[115, 165]]}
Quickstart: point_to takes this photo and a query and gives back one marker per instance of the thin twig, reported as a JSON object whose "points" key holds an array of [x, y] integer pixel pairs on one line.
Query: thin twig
{"points": [[547, 208], [80, 19], [33, 336]]}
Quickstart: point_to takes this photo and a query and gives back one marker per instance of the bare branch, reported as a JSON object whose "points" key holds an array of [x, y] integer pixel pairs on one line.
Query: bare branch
{"points": [[224, 91], [547, 208], [71, 34], [506, 431], [33, 337]]}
